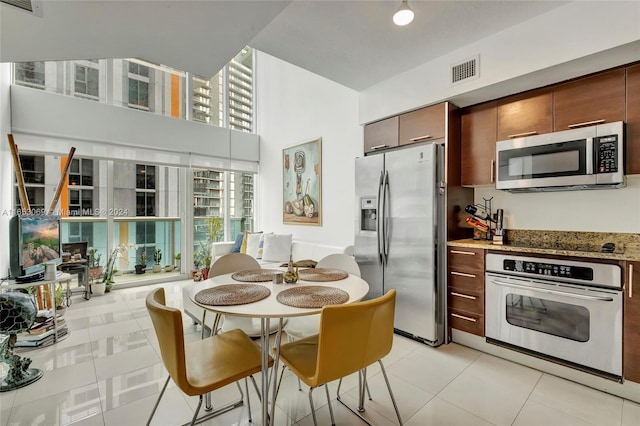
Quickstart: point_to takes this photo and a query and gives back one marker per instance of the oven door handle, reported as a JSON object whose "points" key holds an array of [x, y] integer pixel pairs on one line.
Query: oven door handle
{"points": [[549, 291]]}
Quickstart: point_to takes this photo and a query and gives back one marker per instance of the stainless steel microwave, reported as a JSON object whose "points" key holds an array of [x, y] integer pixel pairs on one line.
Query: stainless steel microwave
{"points": [[585, 158]]}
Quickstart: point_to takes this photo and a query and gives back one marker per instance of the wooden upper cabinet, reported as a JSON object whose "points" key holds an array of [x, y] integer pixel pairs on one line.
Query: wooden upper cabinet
{"points": [[590, 100], [478, 143], [381, 135], [525, 114], [633, 120], [422, 125], [631, 337]]}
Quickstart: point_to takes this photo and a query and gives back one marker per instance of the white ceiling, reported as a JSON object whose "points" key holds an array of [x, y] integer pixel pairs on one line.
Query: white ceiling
{"points": [[354, 43]]}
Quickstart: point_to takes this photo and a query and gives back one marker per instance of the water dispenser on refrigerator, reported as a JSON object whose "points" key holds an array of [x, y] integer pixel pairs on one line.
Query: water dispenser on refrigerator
{"points": [[368, 213]]}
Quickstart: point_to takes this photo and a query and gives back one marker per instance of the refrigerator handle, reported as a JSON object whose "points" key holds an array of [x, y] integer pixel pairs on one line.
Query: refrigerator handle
{"points": [[386, 216], [379, 224]]}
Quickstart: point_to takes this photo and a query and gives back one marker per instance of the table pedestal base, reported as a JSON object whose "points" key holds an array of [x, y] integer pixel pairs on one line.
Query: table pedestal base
{"points": [[29, 376]]}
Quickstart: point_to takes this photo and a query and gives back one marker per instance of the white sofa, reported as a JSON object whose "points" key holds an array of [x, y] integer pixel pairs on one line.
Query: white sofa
{"points": [[300, 250]]}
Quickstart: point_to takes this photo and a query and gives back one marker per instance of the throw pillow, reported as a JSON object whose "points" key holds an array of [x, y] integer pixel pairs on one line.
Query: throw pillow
{"points": [[245, 240], [277, 247], [261, 246], [238, 243], [253, 243]]}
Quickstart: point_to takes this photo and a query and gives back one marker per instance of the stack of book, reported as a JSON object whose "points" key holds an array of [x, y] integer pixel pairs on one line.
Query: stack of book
{"points": [[41, 333]]}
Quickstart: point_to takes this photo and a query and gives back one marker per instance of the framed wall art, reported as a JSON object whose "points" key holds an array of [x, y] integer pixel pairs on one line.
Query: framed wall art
{"points": [[302, 184]]}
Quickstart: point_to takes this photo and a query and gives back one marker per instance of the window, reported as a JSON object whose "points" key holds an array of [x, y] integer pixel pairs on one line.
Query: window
{"points": [[145, 176], [224, 195], [81, 202], [87, 81], [80, 231], [32, 168], [138, 85], [226, 100], [81, 172], [145, 190], [33, 173], [30, 74]]}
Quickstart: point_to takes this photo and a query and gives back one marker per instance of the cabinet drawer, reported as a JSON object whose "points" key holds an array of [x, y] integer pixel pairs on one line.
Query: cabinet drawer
{"points": [[465, 321], [467, 281], [466, 259], [469, 301]]}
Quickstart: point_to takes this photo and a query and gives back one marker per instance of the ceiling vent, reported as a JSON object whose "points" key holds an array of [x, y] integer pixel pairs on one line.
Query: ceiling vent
{"points": [[469, 69], [30, 6]]}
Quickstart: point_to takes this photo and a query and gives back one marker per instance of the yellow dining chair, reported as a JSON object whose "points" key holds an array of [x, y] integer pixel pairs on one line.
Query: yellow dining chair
{"points": [[351, 338], [205, 365]]}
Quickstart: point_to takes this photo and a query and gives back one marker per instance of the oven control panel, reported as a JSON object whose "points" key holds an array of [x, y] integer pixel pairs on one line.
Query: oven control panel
{"points": [[548, 269], [606, 275]]}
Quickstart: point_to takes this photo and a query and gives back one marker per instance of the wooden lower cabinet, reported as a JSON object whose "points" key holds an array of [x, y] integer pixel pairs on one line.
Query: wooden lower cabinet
{"points": [[465, 289], [631, 333]]}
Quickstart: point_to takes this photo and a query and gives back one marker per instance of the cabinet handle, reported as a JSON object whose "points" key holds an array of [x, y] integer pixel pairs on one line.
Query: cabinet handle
{"points": [[468, 253], [466, 296], [419, 138], [519, 135], [630, 281], [493, 170], [586, 123], [373, 148], [463, 317], [462, 274]]}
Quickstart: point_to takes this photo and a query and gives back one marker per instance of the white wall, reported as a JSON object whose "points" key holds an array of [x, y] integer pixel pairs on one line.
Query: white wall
{"points": [[601, 210], [569, 41], [6, 163], [296, 106]]}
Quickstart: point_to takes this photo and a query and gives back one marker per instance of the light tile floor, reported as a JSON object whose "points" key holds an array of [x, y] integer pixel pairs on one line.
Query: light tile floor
{"points": [[109, 372]]}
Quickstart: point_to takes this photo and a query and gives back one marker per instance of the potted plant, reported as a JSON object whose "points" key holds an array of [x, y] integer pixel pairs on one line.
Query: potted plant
{"points": [[177, 258], [142, 262], [205, 257], [95, 269], [169, 266], [157, 257], [60, 307]]}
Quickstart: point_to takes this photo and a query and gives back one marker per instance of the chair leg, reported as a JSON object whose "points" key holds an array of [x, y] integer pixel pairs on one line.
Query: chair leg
{"points": [[386, 379], [246, 388], [326, 389], [313, 409], [155, 407], [195, 415]]}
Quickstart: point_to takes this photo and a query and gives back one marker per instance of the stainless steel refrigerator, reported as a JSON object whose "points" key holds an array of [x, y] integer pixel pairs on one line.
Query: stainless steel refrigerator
{"points": [[400, 235]]}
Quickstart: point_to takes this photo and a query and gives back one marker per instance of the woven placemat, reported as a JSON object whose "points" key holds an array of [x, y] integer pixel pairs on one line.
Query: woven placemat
{"points": [[322, 274], [232, 294], [312, 296], [255, 275]]}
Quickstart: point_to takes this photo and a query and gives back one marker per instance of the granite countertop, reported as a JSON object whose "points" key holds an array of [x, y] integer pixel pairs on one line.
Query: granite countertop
{"points": [[629, 253], [560, 243]]}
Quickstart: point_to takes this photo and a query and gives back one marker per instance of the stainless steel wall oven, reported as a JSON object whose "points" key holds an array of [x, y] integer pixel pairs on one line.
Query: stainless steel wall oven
{"points": [[569, 311]]}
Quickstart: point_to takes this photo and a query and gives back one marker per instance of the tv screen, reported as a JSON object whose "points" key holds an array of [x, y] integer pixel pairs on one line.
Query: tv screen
{"points": [[34, 240]]}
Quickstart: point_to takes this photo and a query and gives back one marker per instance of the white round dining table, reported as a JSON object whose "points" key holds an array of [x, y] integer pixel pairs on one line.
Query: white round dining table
{"points": [[269, 308]]}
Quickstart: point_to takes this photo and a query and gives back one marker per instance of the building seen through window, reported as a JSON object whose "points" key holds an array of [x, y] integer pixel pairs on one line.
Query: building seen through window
{"points": [[224, 100]]}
